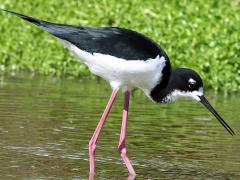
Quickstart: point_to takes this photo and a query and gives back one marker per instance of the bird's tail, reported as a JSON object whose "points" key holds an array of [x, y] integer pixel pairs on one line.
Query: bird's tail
{"points": [[60, 31], [27, 18], [55, 29]]}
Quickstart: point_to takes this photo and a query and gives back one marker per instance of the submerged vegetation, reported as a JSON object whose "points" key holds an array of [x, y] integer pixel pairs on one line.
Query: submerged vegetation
{"points": [[202, 35]]}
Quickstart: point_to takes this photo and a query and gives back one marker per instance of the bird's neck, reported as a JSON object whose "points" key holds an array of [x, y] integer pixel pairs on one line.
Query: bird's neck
{"points": [[161, 90], [159, 95]]}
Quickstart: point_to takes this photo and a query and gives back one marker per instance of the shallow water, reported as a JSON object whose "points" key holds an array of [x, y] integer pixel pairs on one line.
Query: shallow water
{"points": [[45, 125]]}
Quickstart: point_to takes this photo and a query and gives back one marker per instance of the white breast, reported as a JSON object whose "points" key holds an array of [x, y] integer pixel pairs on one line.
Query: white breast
{"points": [[121, 73]]}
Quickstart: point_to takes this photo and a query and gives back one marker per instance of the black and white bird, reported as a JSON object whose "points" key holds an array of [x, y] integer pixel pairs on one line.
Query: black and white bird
{"points": [[127, 60]]}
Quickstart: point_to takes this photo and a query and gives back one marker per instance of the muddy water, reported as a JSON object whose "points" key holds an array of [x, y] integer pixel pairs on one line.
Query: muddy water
{"points": [[45, 125]]}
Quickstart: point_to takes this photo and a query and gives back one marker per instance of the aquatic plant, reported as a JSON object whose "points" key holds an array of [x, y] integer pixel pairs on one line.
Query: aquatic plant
{"points": [[202, 35]]}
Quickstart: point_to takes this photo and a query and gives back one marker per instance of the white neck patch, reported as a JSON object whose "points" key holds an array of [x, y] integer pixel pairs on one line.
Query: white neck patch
{"points": [[174, 95]]}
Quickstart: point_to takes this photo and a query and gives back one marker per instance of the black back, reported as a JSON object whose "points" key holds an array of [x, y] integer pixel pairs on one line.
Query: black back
{"points": [[118, 42]]}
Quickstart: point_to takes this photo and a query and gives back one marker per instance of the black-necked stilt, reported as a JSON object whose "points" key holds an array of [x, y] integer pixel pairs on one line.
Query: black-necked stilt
{"points": [[127, 60]]}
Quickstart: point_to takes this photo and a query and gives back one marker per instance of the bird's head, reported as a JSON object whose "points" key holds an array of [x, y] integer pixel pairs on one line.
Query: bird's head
{"points": [[184, 83], [187, 83]]}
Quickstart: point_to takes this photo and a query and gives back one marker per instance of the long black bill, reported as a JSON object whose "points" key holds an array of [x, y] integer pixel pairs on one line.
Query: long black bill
{"points": [[205, 102]]}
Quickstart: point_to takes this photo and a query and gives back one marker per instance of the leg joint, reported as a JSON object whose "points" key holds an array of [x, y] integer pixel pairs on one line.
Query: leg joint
{"points": [[91, 147], [121, 148]]}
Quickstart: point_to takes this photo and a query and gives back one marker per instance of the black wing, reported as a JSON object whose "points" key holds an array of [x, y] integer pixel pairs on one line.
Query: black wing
{"points": [[118, 42]]}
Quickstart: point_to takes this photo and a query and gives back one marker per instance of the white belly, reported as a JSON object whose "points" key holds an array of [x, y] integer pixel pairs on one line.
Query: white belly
{"points": [[121, 73]]}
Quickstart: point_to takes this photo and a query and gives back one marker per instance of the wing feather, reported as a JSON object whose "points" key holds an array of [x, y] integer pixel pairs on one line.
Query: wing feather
{"points": [[114, 41]]}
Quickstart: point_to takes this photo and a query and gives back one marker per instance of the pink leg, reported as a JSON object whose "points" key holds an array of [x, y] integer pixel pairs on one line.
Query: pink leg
{"points": [[93, 141], [121, 146]]}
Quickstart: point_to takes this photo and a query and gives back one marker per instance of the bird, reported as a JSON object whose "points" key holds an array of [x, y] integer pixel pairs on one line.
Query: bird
{"points": [[127, 60]]}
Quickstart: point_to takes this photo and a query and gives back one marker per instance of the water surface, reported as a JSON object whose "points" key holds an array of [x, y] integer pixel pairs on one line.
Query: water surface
{"points": [[45, 125]]}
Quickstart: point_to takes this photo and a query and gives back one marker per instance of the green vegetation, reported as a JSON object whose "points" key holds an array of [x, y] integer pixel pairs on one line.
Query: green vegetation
{"points": [[203, 35]]}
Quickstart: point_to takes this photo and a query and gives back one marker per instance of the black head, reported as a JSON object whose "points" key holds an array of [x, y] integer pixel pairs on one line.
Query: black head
{"points": [[183, 83], [187, 83]]}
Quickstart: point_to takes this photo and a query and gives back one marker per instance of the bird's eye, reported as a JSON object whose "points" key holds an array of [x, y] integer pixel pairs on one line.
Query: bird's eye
{"points": [[191, 85]]}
